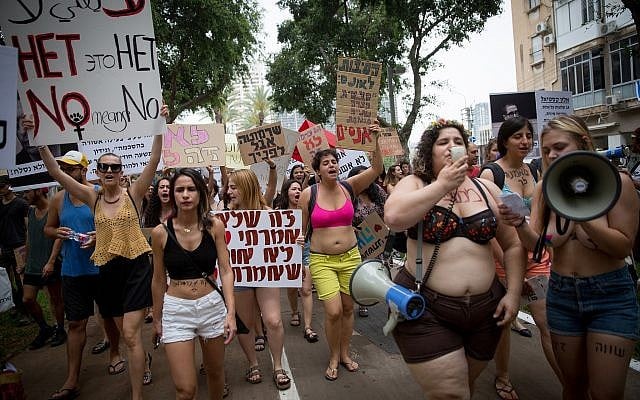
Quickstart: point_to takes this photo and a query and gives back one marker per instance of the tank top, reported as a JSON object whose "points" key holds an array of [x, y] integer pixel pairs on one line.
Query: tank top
{"points": [[75, 260], [343, 216], [40, 246], [120, 235], [181, 266]]}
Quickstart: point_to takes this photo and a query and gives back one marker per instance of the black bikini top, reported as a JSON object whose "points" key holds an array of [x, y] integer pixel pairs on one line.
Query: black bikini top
{"points": [[479, 228]]}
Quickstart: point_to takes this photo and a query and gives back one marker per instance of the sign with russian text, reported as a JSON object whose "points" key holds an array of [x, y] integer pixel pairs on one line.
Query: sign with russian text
{"points": [[134, 153], [357, 98], [262, 247], [193, 145], [372, 236], [265, 141], [349, 159], [88, 70], [8, 109], [389, 142], [310, 142]]}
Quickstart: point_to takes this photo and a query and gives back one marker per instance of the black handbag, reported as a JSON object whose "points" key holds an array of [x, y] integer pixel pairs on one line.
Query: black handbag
{"points": [[241, 327]]}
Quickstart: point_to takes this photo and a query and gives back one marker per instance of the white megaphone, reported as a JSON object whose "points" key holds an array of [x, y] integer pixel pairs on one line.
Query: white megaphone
{"points": [[371, 283], [581, 186]]}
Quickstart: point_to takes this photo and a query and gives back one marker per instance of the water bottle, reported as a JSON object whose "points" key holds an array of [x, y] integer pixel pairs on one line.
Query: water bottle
{"points": [[79, 237]]}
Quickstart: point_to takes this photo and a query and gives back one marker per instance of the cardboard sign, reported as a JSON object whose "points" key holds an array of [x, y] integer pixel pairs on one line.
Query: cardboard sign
{"points": [[8, 108], [262, 247], [372, 236], [266, 141], [310, 142], [193, 145], [233, 158], [348, 159], [134, 152], [87, 70], [390, 143], [357, 98], [262, 170]]}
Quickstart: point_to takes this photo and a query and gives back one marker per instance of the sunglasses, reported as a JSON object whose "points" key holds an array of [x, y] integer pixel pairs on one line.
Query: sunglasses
{"points": [[70, 169], [104, 167]]}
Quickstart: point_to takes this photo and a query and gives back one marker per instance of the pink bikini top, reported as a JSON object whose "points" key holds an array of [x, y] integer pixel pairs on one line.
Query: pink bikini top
{"points": [[321, 218]]}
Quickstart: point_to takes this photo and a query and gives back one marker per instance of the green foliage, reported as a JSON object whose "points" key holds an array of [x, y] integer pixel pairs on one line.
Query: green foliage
{"points": [[258, 107], [390, 31], [202, 46]]}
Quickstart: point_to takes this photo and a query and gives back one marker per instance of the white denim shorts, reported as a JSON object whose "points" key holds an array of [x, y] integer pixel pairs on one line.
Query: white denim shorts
{"points": [[184, 319]]}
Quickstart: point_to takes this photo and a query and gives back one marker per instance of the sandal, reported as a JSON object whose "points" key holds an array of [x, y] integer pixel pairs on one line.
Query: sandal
{"points": [[295, 319], [117, 368], [253, 375], [147, 378], [65, 394], [226, 390], [202, 370], [331, 374], [310, 335], [504, 389], [260, 343], [100, 347], [281, 379], [350, 366], [363, 312]]}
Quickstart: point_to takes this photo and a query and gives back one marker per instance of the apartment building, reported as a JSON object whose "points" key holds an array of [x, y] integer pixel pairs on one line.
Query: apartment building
{"points": [[588, 47]]}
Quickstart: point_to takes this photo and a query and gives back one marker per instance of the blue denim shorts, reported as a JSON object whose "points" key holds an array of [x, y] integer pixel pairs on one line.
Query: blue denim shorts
{"points": [[604, 303], [306, 252]]}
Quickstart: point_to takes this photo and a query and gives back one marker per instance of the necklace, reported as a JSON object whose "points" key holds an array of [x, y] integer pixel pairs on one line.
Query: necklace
{"points": [[186, 230], [111, 202]]}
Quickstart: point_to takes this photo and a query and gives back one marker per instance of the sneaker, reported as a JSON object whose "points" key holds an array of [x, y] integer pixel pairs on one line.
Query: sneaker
{"points": [[59, 337], [42, 338]]}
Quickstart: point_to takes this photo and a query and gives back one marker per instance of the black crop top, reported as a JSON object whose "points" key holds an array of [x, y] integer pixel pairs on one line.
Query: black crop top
{"points": [[179, 266], [479, 228]]}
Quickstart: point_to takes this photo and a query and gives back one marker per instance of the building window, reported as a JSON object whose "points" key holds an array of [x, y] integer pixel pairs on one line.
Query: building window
{"points": [[625, 60], [536, 50], [533, 4], [583, 73], [591, 10]]}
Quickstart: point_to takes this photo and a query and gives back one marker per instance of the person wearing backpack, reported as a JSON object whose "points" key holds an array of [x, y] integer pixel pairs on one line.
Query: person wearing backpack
{"points": [[512, 175], [327, 214]]}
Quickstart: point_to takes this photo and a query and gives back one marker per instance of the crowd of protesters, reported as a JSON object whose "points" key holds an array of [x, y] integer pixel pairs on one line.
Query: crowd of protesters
{"points": [[86, 246]]}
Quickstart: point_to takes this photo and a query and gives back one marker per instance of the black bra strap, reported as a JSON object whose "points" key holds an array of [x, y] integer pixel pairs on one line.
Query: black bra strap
{"points": [[484, 195]]}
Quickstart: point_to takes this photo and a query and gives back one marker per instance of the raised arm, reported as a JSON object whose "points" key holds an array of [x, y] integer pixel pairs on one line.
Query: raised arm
{"points": [[270, 192], [82, 192], [362, 180], [141, 185]]}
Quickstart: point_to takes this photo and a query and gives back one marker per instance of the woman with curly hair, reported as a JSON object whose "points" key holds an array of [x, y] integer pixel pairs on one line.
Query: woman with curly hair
{"points": [[454, 218], [592, 308], [394, 174]]}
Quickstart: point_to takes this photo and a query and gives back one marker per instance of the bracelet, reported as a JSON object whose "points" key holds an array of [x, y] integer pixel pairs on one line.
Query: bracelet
{"points": [[41, 147], [524, 220], [274, 167]]}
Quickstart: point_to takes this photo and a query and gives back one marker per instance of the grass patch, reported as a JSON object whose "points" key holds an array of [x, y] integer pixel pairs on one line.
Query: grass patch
{"points": [[14, 338]]}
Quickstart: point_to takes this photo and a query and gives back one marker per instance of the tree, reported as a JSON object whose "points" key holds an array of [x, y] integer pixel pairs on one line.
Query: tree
{"points": [[202, 46], [258, 106], [226, 111], [634, 7], [419, 30]]}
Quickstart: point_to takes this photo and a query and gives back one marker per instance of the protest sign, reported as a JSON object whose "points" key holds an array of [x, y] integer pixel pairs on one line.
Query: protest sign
{"points": [[134, 153], [262, 247], [389, 142], [310, 142], [551, 104], [87, 70], [8, 109], [232, 152], [262, 170], [348, 159], [372, 236], [265, 141], [193, 145], [358, 87]]}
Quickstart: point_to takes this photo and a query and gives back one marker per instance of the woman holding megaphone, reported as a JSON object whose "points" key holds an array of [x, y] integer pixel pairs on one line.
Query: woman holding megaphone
{"points": [[451, 219], [592, 309]]}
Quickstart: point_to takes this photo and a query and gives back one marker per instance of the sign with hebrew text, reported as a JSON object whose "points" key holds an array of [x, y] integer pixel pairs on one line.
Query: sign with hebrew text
{"points": [[349, 159], [389, 142], [262, 246], [87, 70], [259, 143], [357, 99], [310, 142], [134, 153], [372, 236], [193, 145]]}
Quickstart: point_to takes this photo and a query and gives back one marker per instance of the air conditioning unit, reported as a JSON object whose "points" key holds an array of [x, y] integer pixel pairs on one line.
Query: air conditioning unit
{"points": [[548, 40], [611, 100], [541, 27], [608, 28]]}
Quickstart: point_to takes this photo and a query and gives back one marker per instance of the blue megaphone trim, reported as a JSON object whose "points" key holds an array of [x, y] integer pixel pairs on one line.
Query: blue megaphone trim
{"points": [[410, 304]]}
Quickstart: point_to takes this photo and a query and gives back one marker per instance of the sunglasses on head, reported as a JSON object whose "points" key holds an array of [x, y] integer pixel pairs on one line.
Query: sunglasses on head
{"points": [[104, 167]]}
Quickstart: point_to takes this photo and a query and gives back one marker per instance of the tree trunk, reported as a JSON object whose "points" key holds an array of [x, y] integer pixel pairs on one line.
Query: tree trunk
{"points": [[406, 129]]}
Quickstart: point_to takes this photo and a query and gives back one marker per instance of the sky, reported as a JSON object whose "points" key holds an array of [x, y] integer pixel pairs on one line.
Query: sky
{"points": [[482, 65]]}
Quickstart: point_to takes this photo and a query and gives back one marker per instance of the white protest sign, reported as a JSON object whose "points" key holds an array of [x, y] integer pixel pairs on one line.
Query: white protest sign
{"points": [[87, 70], [349, 159], [262, 247], [233, 159], [8, 109], [551, 104], [134, 152], [261, 169], [193, 145]]}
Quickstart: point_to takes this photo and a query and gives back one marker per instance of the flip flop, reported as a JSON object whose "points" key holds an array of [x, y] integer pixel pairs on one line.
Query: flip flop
{"points": [[117, 368], [100, 347], [310, 335], [65, 394], [295, 319], [350, 366], [523, 332], [331, 374], [506, 391]]}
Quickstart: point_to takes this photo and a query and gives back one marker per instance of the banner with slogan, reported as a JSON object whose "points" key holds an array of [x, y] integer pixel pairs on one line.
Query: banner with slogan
{"points": [[551, 104], [358, 95], [261, 169], [8, 108], [349, 159], [193, 145], [232, 152], [372, 236], [262, 246], [390, 142], [310, 142], [87, 70], [134, 152], [265, 141]]}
